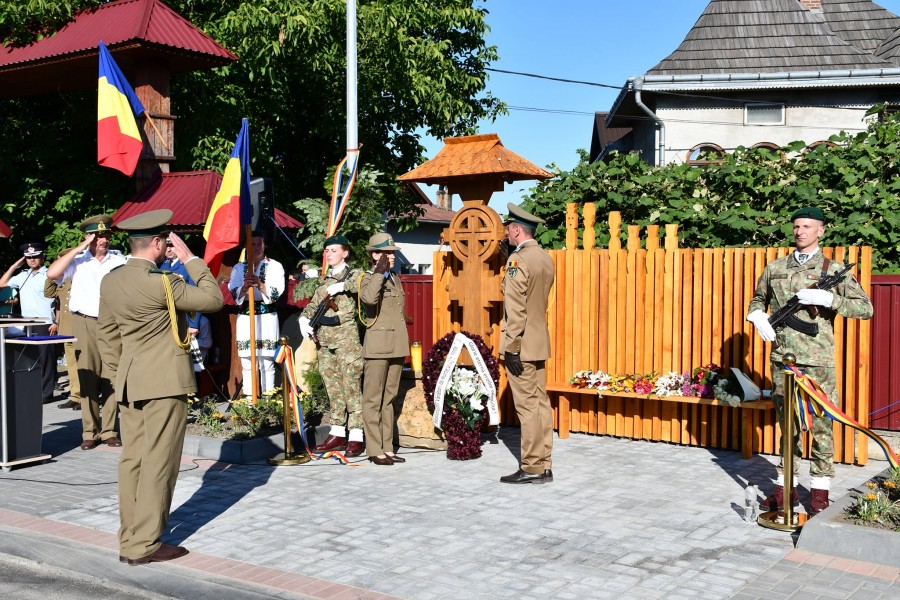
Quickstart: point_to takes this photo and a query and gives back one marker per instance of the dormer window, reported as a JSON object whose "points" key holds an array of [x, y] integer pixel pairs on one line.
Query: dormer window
{"points": [[763, 113]]}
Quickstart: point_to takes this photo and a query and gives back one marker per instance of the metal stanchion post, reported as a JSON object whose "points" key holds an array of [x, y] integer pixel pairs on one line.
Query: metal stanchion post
{"points": [[287, 457], [786, 519]]}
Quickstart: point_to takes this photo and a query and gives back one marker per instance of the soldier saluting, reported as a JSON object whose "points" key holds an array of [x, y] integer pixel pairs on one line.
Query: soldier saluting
{"points": [[781, 280], [144, 332]]}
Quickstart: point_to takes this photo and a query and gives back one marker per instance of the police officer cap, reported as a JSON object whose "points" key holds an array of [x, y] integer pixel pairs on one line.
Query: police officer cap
{"points": [[337, 240], [97, 224], [522, 217], [148, 224], [381, 242], [809, 212], [32, 249]]}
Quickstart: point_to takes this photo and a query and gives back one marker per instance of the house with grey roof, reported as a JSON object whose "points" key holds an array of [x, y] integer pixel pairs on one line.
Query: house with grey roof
{"points": [[758, 73]]}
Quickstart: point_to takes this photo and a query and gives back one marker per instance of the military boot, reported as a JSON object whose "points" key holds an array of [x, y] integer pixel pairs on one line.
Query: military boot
{"points": [[819, 501], [819, 491], [775, 502]]}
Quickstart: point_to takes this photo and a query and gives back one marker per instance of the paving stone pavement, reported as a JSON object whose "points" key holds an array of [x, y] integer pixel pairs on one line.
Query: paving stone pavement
{"points": [[623, 519]]}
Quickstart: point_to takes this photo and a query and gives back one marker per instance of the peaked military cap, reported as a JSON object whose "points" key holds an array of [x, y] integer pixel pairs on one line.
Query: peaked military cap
{"points": [[32, 249], [809, 212], [521, 216], [337, 239], [148, 224], [381, 242], [97, 224]]}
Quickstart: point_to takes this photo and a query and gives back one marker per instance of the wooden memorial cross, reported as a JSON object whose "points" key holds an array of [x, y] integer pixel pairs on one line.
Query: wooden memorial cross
{"points": [[474, 236], [474, 167]]}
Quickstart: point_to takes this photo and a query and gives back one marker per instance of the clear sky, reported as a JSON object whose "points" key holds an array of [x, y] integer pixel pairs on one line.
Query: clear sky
{"points": [[600, 41]]}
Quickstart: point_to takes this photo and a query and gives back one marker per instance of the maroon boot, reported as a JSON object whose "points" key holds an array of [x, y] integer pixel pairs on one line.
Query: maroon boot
{"points": [[819, 501], [775, 502]]}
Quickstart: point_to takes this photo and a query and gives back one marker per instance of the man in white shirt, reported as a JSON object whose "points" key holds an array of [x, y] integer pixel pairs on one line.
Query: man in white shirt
{"points": [[86, 265], [30, 284]]}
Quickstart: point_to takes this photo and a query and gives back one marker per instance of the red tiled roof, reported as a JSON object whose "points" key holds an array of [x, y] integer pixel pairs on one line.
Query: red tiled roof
{"points": [[134, 30], [475, 155], [189, 196], [430, 212]]}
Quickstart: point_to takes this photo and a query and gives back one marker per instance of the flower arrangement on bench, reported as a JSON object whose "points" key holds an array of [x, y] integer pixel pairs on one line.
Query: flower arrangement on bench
{"points": [[698, 383]]}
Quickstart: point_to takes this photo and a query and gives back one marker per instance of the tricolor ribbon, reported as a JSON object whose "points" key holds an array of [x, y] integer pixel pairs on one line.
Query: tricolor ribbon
{"points": [[284, 356], [810, 397]]}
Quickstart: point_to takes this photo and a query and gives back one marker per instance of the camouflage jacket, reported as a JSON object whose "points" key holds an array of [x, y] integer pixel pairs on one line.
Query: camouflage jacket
{"points": [[781, 280], [344, 336]]}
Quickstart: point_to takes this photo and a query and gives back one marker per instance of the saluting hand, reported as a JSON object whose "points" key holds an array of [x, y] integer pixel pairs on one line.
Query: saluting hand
{"points": [[383, 264], [182, 252]]}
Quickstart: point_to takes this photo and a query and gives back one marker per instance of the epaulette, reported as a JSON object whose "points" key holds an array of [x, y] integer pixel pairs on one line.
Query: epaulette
{"points": [[160, 271], [116, 267]]}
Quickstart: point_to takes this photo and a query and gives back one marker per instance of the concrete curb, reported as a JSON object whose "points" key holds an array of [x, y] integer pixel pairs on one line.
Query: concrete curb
{"points": [[243, 452], [826, 533]]}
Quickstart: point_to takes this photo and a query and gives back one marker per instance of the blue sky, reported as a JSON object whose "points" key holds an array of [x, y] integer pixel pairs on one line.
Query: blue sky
{"points": [[600, 41]]}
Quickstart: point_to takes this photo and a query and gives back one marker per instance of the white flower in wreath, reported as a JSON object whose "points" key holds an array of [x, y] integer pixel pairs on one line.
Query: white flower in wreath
{"points": [[467, 386]]}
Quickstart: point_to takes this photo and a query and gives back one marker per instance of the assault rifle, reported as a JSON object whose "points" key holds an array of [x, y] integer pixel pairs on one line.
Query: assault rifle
{"points": [[784, 316], [318, 319]]}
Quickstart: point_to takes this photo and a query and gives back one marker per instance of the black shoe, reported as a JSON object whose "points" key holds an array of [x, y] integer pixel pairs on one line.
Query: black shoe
{"points": [[548, 476], [521, 476], [69, 404]]}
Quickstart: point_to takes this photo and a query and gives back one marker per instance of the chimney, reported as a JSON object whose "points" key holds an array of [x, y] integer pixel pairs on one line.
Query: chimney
{"points": [[812, 5], [444, 200]]}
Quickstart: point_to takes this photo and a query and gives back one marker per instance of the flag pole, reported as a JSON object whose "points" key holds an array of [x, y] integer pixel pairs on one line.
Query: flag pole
{"points": [[158, 134], [251, 268]]}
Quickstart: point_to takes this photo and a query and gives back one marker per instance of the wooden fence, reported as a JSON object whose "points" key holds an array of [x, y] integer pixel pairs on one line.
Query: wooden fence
{"points": [[657, 307]]}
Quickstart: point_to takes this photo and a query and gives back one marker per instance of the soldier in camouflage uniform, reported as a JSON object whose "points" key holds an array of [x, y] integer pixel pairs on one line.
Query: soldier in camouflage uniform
{"points": [[340, 353], [780, 281]]}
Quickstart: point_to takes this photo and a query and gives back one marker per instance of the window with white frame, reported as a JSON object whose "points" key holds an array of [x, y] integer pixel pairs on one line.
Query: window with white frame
{"points": [[763, 113]]}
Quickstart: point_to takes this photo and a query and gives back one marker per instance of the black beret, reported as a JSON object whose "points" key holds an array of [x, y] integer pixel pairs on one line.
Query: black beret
{"points": [[809, 212]]}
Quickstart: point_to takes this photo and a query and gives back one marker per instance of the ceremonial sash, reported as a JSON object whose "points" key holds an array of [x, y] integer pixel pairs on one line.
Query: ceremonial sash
{"points": [[284, 356], [440, 388], [810, 397]]}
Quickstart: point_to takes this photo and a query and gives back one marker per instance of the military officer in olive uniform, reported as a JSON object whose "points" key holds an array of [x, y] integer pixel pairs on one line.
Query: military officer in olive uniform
{"points": [[340, 354], [525, 344], [386, 346], [143, 332], [781, 280]]}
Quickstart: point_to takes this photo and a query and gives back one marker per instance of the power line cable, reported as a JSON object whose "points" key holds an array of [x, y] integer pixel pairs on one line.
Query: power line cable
{"points": [[661, 92]]}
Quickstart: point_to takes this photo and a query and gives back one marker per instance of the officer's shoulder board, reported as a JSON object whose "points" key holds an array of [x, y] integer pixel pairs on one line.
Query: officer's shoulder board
{"points": [[116, 267]]}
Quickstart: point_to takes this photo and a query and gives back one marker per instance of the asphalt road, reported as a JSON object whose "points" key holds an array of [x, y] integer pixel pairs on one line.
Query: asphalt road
{"points": [[26, 580]]}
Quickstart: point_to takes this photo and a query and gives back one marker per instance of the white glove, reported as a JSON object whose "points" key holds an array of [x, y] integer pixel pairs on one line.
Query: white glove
{"points": [[335, 288], [306, 329], [760, 320], [815, 297]]}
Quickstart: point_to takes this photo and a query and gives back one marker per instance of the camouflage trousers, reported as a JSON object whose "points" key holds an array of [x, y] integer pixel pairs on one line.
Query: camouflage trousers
{"points": [[343, 383], [821, 457]]}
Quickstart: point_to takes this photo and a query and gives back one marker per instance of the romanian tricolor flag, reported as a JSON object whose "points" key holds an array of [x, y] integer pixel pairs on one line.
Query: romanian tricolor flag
{"points": [[119, 141], [811, 398], [231, 206]]}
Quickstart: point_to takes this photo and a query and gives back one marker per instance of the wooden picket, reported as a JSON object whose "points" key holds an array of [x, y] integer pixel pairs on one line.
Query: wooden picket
{"points": [[650, 307]]}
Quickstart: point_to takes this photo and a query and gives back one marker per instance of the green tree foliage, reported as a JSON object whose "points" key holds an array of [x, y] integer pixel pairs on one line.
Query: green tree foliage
{"points": [[747, 199], [421, 67]]}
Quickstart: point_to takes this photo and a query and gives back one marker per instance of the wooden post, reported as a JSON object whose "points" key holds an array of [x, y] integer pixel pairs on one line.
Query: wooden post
{"points": [[615, 228], [589, 213], [571, 226]]}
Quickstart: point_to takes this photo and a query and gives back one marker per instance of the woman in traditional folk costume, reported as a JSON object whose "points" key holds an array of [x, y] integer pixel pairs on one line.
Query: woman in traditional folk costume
{"points": [[267, 283]]}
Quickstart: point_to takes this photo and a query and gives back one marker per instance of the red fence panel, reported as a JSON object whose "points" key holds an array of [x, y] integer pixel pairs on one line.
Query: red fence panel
{"points": [[885, 383], [419, 306]]}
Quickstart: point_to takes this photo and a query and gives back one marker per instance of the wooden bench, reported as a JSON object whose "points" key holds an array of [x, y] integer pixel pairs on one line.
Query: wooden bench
{"points": [[677, 419]]}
